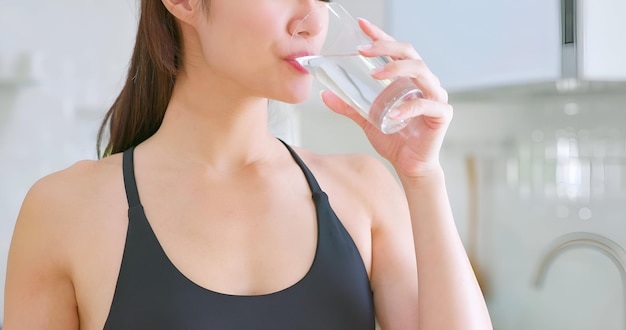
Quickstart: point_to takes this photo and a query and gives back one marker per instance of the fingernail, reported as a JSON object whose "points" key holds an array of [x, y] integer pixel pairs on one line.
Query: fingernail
{"points": [[365, 20], [364, 47], [395, 113], [378, 70]]}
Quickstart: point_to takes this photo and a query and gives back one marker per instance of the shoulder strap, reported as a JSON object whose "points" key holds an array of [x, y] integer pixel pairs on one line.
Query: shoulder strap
{"points": [[315, 188], [129, 178]]}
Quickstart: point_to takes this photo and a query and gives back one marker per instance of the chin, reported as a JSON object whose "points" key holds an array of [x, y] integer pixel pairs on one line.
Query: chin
{"points": [[297, 98], [295, 93]]}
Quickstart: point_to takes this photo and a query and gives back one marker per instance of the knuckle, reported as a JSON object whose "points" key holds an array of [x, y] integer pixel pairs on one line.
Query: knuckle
{"points": [[393, 67], [420, 69], [449, 111], [407, 49], [444, 95], [421, 64], [377, 43], [416, 107], [438, 82]]}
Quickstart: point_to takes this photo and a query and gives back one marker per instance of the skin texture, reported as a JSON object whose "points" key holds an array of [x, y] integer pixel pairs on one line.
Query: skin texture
{"points": [[213, 145]]}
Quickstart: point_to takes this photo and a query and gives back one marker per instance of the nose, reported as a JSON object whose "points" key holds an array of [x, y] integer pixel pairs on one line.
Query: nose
{"points": [[310, 21]]}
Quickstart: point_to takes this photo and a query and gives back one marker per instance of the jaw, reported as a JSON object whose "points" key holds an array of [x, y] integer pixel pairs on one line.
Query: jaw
{"points": [[295, 91]]}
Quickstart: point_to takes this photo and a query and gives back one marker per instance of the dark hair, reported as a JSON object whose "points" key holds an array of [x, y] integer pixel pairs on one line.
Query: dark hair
{"points": [[139, 109]]}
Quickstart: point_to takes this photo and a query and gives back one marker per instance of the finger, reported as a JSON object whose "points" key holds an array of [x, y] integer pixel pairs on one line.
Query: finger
{"points": [[394, 49], [439, 113], [425, 80], [337, 105], [373, 31]]}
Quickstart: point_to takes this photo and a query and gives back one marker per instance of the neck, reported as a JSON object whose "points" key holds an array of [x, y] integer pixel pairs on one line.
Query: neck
{"points": [[214, 126]]}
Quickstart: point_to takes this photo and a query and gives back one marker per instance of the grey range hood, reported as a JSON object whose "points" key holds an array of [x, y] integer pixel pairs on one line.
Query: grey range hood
{"points": [[510, 49]]}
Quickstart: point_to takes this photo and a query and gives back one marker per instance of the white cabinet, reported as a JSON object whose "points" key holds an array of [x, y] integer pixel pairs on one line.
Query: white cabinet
{"points": [[486, 43], [604, 39]]}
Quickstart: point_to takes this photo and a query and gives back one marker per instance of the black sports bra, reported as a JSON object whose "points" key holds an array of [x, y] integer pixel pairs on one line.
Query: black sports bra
{"points": [[152, 294]]}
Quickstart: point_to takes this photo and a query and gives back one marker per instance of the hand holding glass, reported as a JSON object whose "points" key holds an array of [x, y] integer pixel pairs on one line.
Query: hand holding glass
{"points": [[340, 68]]}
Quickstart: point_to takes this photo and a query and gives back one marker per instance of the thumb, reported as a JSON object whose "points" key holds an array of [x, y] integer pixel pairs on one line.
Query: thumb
{"points": [[337, 105]]}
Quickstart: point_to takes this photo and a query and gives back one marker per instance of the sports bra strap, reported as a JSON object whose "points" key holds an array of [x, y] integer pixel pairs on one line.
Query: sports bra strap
{"points": [[129, 178], [315, 188]]}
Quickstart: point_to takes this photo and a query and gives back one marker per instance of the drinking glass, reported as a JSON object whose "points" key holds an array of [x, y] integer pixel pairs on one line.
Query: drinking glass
{"points": [[339, 67]]}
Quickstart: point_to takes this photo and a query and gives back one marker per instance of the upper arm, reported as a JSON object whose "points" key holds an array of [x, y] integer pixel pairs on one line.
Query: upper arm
{"points": [[39, 293], [394, 270]]}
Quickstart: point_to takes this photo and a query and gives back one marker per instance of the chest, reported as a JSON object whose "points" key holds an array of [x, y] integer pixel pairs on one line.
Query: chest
{"points": [[332, 292], [219, 241]]}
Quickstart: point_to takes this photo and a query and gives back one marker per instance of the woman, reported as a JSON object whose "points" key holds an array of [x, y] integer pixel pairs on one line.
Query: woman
{"points": [[198, 218]]}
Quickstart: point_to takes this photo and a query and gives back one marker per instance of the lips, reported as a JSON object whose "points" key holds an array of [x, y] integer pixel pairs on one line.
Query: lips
{"points": [[291, 59]]}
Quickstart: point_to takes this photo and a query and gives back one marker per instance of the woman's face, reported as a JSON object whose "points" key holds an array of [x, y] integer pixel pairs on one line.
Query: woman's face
{"points": [[248, 44]]}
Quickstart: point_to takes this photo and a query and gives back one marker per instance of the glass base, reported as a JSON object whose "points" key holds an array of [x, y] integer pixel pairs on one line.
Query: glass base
{"points": [[399, 91]]}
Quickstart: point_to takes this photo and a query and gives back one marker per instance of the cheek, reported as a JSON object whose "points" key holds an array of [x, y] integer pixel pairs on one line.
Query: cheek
{"points": [[239, 43], [248, 50], [225, 53]]}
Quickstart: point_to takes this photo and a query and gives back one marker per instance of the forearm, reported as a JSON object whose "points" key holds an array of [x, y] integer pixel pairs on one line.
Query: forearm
{"points": [[449, 295]]}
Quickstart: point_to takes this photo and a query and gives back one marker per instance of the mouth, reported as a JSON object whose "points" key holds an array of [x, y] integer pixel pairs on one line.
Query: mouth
{"points": [[291, 59]]}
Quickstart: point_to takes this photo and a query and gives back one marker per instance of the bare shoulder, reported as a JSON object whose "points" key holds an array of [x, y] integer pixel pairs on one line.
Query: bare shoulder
{"points": [[81, 173], [362, 172], [65, 203], [74, 188], [358, 182], [61, 220], [349, 165]]}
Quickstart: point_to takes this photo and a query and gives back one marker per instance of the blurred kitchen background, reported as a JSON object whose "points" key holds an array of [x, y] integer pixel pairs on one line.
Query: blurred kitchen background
{"points": [[535, 157]]}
